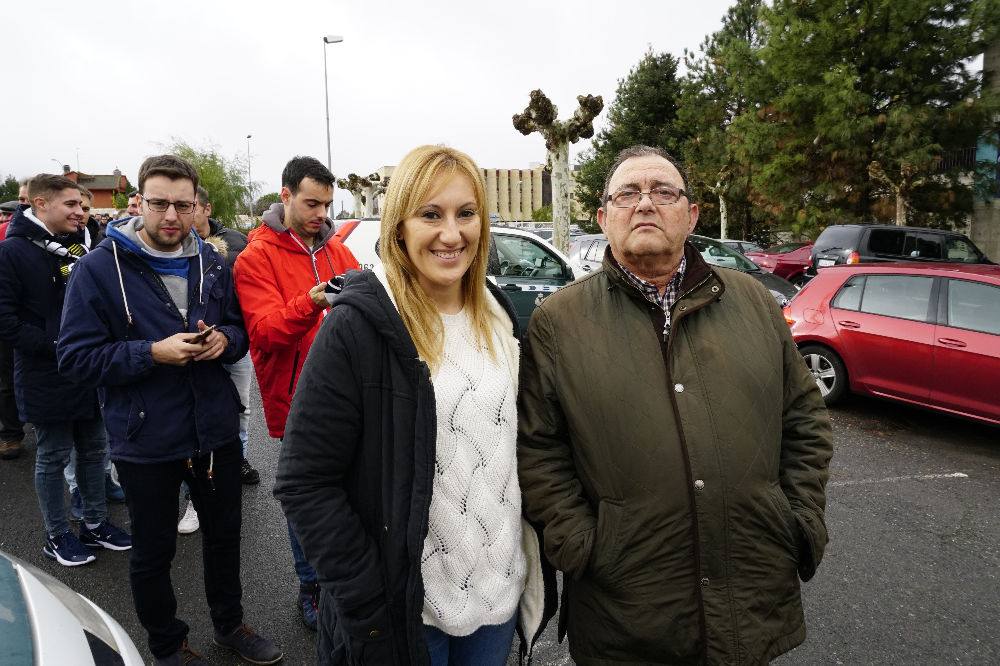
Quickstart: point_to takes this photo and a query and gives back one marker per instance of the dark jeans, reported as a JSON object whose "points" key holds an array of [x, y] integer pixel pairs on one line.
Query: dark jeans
{"points": [[151, 492], [303, 569], [55, 441], [11, 428], [486, 646]]}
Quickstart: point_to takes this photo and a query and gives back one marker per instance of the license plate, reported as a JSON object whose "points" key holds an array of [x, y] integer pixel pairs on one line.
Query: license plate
{"points": [[822, 263]]}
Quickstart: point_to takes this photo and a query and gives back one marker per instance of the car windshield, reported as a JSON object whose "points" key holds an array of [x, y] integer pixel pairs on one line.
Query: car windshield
{"points": [[785, 248], [718, 254]]}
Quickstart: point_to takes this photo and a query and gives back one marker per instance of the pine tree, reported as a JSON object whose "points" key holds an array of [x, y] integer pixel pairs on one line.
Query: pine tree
{"points": [[644, 112], [717, 89], [870, 96]]}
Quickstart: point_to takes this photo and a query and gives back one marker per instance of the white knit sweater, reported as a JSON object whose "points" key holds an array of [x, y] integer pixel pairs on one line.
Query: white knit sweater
{"points": [[473, 565]]}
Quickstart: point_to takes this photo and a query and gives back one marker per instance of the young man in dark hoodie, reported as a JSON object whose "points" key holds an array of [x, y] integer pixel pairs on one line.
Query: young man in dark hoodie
{"points": [[151, 316], [280, 277], [35, 262]]}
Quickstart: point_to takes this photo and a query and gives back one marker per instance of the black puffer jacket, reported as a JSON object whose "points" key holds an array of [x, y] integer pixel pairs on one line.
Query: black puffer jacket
{"points": [[356, 476]]}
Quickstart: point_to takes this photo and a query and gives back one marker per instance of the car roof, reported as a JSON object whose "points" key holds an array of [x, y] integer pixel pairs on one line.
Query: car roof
{"points": [[989, 271], [893, 226]]}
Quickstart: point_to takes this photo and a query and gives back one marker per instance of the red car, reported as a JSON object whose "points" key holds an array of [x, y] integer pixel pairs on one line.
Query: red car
{"points": [[922, 334], [788, 260]]}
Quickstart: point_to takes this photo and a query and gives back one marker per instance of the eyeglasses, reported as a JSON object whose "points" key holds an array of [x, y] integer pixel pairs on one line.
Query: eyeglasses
{"points": [[662, 195], [161, 206]]}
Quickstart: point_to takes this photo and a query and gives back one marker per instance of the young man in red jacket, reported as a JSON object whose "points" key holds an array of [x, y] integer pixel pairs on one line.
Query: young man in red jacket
{"points": [[280, 280]]}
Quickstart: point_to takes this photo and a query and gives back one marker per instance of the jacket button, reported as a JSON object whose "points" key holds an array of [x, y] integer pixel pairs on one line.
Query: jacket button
{"points": [[704, 582], [679, 388], [683, 308], [699, 484], [142, 415], [374, 633], [715, 289]]}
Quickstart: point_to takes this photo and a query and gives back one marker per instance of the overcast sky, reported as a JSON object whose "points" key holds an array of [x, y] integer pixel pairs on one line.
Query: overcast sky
{"points": [[118, 80]]}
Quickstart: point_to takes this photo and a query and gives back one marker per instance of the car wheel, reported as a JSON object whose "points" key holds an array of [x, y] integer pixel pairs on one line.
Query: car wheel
{"points": [[827, 370]]}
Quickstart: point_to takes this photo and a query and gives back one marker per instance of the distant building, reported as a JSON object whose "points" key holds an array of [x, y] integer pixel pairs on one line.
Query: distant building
{"points": [[103, 187], [512, 195], [985, 228]]}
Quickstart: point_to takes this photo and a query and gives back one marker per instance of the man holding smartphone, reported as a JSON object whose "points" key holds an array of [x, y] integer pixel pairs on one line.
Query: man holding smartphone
{"points": [[151, 316], [281, 278]]}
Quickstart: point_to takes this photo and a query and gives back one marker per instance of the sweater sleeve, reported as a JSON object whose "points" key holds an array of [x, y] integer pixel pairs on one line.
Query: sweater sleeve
{"points": [[271, 321], [553, 494], [322, 438]]}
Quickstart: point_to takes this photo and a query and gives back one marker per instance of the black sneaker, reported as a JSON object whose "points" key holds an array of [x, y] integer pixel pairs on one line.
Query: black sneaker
{"points": [[185, 656], [105, 535], [250, 645], [67, 550], [248, 475]]}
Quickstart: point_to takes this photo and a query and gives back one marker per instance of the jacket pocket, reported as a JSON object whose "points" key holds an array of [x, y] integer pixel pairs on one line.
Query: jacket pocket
{"points": [[607, 547], [136, 416], [784, 509]]}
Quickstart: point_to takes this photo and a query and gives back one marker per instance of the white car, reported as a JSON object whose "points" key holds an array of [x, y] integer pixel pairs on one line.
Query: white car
{"points": [[586, 253], [43, 622], [526, 267]]}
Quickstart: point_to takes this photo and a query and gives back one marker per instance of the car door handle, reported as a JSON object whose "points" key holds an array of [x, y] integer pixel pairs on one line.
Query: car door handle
{"points": [[849, 324], [951, 342], [511, 287]]}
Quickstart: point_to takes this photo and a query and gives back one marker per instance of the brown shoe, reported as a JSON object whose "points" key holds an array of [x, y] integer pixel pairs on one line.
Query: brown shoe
{"points": [[10, 450]]}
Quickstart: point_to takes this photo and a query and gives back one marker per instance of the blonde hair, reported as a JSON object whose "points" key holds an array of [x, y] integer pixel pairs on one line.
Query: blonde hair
{"points": [[411, 184]]}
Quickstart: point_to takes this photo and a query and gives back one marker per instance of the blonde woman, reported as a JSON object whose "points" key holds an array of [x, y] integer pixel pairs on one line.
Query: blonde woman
{"points": [[399, 469]]}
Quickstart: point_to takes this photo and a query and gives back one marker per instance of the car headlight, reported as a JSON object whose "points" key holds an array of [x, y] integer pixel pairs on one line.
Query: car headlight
{"points": [[781, 298]]}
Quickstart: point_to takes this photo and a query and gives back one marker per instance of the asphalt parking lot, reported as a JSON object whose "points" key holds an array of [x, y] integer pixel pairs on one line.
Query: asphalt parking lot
{"points": [[911, 576]]}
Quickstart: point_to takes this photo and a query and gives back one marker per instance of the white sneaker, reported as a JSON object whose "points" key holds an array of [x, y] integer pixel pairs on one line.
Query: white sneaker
{"points": [[189, 523]]}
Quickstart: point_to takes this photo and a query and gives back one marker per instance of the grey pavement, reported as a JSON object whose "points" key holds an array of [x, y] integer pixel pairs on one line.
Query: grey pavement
{"points": [[910, 575]]}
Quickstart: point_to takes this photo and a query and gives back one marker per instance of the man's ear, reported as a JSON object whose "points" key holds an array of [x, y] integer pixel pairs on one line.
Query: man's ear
{"points": [[286, 195], [693, 214], [602, 217], [208, 209]]}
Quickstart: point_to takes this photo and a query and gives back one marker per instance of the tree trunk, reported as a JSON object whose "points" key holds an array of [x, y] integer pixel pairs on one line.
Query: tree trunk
{"points": [[369, 194], [359, 206], [559, 159], [723, 217], [901, 205]]}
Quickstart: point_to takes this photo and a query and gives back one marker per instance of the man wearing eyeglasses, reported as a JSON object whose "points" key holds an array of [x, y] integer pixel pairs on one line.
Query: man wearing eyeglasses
{"points": [[151, 316], [679, 466]]}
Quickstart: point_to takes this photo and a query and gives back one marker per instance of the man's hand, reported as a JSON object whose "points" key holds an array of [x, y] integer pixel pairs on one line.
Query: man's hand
{"points": [[177, 349], [318, 295], [213, 346]]}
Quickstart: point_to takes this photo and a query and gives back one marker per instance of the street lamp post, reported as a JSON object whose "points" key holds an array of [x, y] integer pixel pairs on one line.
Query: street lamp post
{"points": [[328, 39], [249, 180]]}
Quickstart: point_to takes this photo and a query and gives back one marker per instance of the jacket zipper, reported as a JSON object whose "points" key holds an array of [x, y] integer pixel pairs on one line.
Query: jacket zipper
{"points": [[695, 534], [295, 367]]}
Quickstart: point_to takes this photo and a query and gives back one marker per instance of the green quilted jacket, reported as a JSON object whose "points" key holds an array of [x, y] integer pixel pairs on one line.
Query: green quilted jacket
{"points": [[681, 483]]}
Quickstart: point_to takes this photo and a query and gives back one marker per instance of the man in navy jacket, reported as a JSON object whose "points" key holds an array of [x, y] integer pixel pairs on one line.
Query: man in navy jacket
{"points": [[35, 262], [138, 322]]}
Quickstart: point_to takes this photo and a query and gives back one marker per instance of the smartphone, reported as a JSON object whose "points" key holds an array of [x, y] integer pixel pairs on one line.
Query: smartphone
{"points": [[203, 335]]}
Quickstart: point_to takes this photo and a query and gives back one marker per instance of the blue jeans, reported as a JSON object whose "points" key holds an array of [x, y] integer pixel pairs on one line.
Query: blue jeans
{"points": [[55, 441], [486, 646], [70, 472], [303, 569], [241, 374]]}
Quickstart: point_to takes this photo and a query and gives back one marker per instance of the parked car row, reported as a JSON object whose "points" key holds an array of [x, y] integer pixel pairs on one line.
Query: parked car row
{"points": [[587, 253]]}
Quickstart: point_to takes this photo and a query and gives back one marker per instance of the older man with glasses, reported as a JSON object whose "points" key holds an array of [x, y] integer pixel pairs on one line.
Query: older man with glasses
{"points": [[680, 470]]}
